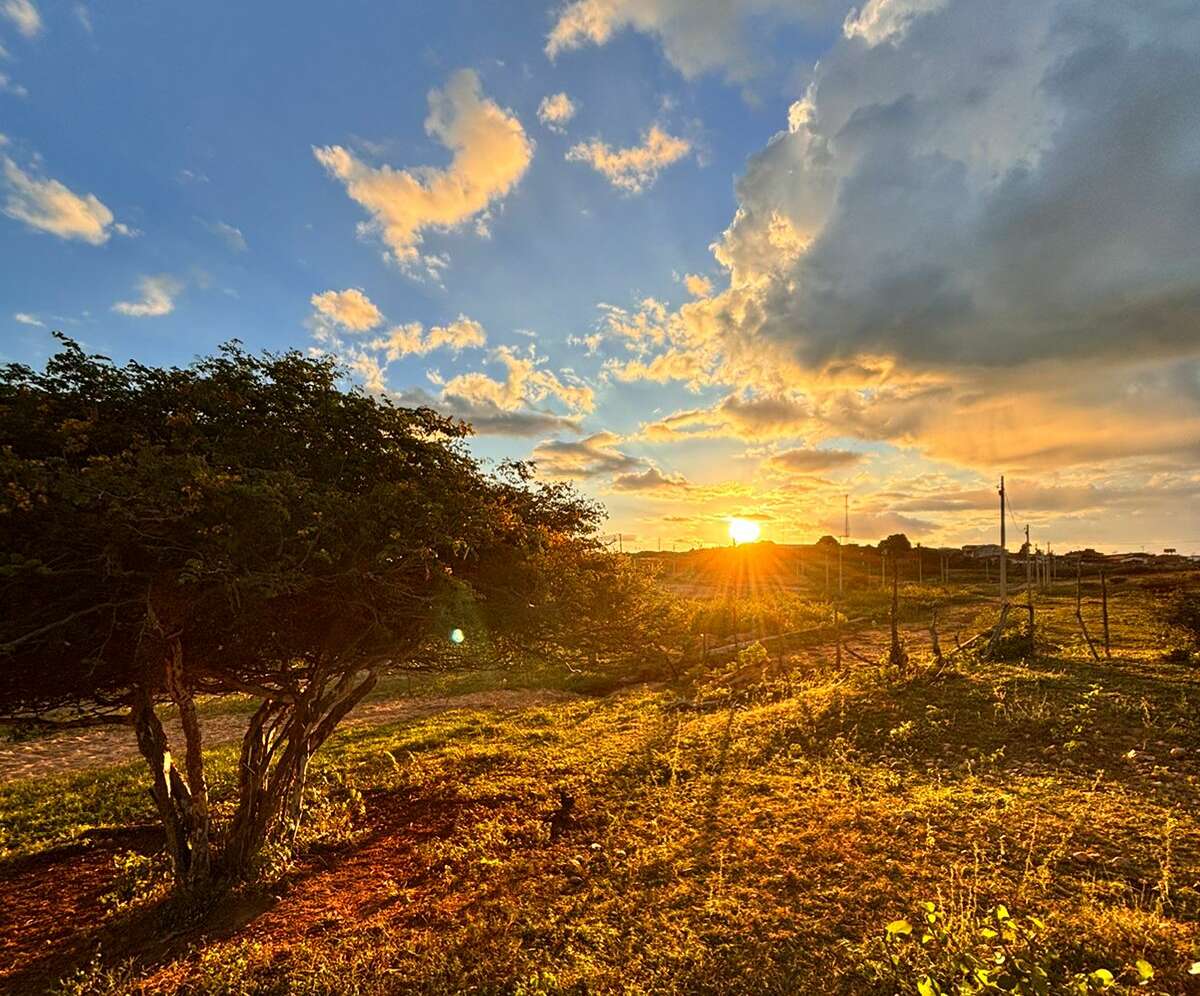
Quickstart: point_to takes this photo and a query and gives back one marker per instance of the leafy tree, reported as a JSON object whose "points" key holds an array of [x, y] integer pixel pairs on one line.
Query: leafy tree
{"points": [[895, 545], [246, 525], [828, 541]]}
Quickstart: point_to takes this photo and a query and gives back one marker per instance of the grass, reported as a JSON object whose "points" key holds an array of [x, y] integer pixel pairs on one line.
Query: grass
{"points": [[762, 846]]}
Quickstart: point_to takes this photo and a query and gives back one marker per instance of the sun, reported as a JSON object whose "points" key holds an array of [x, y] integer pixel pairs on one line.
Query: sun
{"points": [[743, 530]]}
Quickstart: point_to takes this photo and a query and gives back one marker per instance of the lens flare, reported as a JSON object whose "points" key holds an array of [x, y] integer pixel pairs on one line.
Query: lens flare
{"points": [[743, 530], [457, 635]]}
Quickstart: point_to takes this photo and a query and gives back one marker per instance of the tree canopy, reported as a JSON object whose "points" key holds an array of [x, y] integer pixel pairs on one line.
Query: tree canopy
{"points": [[248, 524], [895, 545]]}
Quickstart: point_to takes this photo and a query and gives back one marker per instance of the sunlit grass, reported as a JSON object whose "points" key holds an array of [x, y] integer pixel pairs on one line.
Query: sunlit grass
{"points": [[759, 845]]}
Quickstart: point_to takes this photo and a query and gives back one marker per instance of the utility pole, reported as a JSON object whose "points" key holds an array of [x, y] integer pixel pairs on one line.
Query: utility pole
{"points": [[845, 536], [1003, 550]]}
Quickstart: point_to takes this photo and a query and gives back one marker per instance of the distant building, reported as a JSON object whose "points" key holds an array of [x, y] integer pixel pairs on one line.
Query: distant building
{"points": [[983, 552]]}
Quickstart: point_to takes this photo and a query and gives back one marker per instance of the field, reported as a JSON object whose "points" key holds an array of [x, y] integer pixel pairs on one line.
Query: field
{"points": [[767, 823]]}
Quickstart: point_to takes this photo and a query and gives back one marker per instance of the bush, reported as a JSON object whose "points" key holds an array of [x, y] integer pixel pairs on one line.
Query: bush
{"points": [[1181, 613]]}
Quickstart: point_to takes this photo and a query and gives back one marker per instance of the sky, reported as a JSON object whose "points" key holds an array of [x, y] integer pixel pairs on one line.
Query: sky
{"points": [[704, 258]]}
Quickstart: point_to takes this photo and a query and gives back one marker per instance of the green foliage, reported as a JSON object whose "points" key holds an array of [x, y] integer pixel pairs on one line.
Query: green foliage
{"points": [[254, 510], [1181, 613], [996, 953], [139, 879]]}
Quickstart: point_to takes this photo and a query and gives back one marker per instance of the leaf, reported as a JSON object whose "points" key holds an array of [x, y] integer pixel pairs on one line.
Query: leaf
{"points": [[1103, 976], [1194, 968], [1144, 969], [899, 927], [1002, 912], [926, 987]]}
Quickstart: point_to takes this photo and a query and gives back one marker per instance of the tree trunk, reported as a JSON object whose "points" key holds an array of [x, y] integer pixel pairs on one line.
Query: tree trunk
{"points": [[279, 742], [170, 792], [196, 818]]}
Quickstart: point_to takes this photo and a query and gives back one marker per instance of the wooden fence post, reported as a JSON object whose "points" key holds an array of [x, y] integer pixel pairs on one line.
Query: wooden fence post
{"points": [[1104, 611], [1079, 606]]}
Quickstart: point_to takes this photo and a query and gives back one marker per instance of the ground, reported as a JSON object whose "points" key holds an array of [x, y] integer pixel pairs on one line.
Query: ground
{"points": [[751, 829]]}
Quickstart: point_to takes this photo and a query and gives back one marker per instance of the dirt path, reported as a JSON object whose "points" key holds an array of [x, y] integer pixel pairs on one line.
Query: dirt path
{"points": [[80, 750]]}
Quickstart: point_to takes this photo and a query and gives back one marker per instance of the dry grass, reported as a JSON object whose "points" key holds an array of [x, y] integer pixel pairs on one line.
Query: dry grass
{"points": [[758, 844]]}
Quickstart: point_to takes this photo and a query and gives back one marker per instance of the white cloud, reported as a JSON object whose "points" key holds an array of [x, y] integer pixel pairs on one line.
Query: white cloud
{"points": [[886, 20], [555, 111], [231, 236], [349, 308], [49, 206], [697, 36], [27, 319], [636, 168], [413, 340], [158, 298], [24, 15], [526, 381], [491, 153], [10, 86]]}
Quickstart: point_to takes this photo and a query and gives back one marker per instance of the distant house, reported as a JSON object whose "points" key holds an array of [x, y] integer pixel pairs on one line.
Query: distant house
{"points": [[985, 551]]}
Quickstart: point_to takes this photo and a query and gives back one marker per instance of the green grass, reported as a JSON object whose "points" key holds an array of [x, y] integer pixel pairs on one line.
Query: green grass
{"points": [[757, 847]]}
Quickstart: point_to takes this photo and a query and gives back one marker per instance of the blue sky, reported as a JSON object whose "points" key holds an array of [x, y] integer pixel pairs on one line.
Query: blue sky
{"points": [[848, 227]]}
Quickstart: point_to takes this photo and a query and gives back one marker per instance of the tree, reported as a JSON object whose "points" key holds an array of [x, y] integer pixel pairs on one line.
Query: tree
{"points": [[246, 525], [827, 541], [895, 545]]}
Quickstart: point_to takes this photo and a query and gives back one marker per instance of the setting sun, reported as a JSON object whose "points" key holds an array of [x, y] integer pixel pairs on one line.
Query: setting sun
{"points": [[743, 530]]}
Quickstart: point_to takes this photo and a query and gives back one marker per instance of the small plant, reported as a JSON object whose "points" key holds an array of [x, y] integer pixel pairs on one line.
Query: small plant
{"points": [[139, 879], [96, 979], [933, 955]]}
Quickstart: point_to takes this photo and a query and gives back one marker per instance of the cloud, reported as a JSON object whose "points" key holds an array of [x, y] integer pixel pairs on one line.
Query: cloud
{"points": [[886, 20], [488, 419], [526, 382], [935, 254], [27, 319], [49, 206], [508, 407], [350, 308], [158, 298], [806, 461], [697, 285], [697, 36], [636, 168], [24, 15], [593, 456], [10, 86], [740, 415], [555, 111], [650, 480], [412, 339], [949, 205], [231, 236], [491, 153]]}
